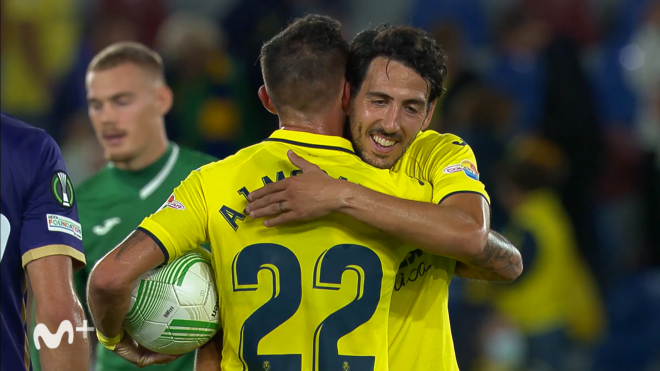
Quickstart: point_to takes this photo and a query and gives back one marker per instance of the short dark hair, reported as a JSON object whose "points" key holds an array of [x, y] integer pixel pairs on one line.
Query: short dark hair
{"points": [[303, 65], [413, 47], [127, 52]]}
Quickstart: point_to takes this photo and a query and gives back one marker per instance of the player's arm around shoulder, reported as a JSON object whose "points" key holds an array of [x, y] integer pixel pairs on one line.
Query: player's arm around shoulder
{"points": [[57, 306], [453, 231]]}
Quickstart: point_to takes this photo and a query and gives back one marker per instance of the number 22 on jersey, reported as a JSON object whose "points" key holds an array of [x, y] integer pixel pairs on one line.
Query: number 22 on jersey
{"points": [[286, 299]]}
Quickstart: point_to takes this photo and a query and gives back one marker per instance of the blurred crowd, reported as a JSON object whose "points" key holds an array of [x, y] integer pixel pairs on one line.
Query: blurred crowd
{"points": [[559, 99]]}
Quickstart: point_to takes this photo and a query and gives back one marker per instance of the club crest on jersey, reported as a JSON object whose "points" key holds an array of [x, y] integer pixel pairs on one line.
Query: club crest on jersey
{"points": [[173, 203], [62, 190], [470, 169], [59, 223]]}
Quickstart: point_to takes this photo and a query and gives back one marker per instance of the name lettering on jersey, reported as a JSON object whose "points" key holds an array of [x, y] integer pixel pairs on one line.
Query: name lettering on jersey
{"points": [[279, 176], [244, 192], [231, 216], [59, 223], [405, 276]]}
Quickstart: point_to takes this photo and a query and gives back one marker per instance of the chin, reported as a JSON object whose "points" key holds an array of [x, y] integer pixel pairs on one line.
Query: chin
{"points": [[118, 156], [381, 163]]}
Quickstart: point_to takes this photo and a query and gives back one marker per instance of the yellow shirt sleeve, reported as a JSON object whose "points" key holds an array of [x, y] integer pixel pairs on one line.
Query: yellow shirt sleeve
{"points": [[454, 170], [181, 224]]}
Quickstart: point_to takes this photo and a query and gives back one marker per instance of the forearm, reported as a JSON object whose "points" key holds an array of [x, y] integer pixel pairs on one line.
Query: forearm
{"points": [[500, 261], [75, 356], [437, 229], [108, 306], [112, 280], [209, 356]]}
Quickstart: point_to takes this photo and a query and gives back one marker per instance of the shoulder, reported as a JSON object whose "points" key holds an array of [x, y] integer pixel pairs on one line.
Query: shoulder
{"points": [[237, 162], [429, 140], [93, 184], [19, 136]]}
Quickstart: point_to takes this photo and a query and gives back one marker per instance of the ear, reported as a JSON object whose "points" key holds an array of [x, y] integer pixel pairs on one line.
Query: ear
{"points": [[346, 97], [429, 115], [164, 97], [266, 101]]}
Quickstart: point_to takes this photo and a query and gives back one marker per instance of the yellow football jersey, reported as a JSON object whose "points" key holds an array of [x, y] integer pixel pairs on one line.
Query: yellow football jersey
{"points": [[420, 334], [308, 296]]}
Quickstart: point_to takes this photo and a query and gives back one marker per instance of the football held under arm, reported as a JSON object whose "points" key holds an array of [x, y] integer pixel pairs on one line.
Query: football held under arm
{"points": [[162, 237]]}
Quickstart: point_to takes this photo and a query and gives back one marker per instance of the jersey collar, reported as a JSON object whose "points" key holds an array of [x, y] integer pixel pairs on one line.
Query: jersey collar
{"points": [[147, 180], [304, 139]]}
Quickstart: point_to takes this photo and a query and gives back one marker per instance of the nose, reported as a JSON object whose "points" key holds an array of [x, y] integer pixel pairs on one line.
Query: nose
{"points": [[390, 122], [107, 114]]}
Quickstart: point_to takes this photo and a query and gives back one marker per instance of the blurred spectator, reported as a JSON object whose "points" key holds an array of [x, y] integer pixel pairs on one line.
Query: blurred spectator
{"points": [[643, 70], [251, 23], [519, 66], [211, 101], [212, 9], [466, 14], [569, 120], [555, 300], [145, 15], [460, 75], [633, 342], [572, 18], [38, 47], [71, 96]]}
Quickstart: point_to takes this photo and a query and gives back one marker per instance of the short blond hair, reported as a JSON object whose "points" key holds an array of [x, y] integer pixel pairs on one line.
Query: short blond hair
{"points": [[128, 52]]}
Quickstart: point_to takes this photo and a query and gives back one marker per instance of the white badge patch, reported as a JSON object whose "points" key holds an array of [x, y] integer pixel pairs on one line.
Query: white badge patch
{"points": [[452, 169], [59, 223]]}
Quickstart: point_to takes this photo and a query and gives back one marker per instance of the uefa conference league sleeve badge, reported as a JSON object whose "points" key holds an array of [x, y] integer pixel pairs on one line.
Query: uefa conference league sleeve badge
{"points": [[62, 190]]}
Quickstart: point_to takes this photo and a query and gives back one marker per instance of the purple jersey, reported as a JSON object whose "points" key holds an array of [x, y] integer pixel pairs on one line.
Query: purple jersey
{"points": [[38, 210]]}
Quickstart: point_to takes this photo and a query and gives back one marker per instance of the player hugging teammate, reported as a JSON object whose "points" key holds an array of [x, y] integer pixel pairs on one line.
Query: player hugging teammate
{"points": [[325, 282]]}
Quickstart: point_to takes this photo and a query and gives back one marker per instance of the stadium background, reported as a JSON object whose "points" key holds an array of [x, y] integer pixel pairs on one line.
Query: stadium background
{"points": [[562, 92]]}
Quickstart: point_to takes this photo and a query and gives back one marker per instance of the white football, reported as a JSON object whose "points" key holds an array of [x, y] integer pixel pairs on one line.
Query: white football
{"points": [[174, 308]]}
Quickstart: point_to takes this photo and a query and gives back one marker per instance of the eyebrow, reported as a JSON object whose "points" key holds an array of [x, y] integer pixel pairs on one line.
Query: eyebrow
{"points": [[382, 95], [112, 98]]}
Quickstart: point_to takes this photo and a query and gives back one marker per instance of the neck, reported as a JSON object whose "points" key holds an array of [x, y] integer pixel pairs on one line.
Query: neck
{"points": [[330, 124], [150, 155]]}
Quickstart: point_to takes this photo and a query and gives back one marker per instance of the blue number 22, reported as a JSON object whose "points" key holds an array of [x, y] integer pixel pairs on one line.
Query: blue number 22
{"points": [[286, 297]]}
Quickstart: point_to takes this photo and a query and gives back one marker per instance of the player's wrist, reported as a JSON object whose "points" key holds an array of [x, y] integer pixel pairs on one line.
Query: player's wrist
{"points": [[346, 195], [110, 342]]}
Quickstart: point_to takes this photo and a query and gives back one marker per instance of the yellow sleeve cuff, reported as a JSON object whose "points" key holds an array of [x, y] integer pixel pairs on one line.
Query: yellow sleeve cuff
{"points": [[110, 343]]}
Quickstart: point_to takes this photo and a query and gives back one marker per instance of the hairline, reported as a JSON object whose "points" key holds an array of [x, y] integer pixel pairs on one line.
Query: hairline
{"points": [[389, 59]]}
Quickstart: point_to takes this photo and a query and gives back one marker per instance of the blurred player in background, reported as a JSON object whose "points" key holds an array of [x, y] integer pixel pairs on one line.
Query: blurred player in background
{"points": [[41, 238], [556, 302], [396, 75], [284, 303], [128, 98]]}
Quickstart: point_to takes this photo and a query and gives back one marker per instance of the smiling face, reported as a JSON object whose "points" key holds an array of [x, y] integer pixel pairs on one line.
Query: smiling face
{"points": [[388, 112], [126, 107]]}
